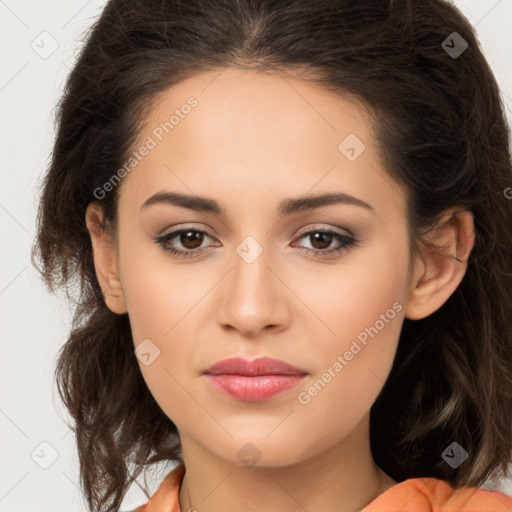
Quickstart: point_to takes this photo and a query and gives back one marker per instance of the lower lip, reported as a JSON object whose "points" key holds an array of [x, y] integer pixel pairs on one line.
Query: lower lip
{"points": [[254, 389]]}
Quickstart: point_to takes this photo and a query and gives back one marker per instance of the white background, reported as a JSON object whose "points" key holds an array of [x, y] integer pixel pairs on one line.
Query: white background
{"points": [[35, 324]]}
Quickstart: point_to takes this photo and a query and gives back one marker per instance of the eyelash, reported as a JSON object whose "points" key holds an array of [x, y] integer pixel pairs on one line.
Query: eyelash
{"points": [[347, 240]]}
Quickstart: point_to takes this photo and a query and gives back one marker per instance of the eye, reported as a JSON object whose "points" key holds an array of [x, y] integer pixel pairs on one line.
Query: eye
{"points": [[321, 239], [189, 238], [192, 239]]}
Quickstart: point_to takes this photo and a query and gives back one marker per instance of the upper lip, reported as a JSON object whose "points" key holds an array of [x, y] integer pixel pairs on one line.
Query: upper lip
{"points": [[260, 366]]}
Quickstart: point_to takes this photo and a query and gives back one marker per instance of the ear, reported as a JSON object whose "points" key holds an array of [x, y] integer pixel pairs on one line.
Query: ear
{"points": [[105, 259], [439, 271]]}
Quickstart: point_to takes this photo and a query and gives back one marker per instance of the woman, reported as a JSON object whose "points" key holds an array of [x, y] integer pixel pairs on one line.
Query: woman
{"points": [[289, 233]]}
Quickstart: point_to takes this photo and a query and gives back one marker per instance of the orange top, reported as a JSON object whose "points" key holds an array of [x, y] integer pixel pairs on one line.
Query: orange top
{"points": [[411, 495]]}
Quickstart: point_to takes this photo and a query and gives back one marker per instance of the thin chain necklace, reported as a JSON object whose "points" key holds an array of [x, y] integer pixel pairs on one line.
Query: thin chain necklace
{"points": [[189, 500], [190, 507]]}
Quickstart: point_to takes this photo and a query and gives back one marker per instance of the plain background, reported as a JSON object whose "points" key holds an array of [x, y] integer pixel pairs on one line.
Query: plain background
{"points": [[39, 40]]}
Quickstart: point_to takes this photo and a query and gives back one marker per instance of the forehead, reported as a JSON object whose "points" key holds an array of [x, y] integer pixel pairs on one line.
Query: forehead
{"points": [[247, 103], [248, 131]]}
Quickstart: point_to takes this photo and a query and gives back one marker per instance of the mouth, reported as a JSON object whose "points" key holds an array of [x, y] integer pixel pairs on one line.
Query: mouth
{"points": [[262, 366], [254, 389], [254, 381]]}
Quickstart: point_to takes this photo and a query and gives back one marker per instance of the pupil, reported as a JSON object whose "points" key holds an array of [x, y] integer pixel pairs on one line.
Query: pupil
{"points": [[191, 236], [319, 236]]}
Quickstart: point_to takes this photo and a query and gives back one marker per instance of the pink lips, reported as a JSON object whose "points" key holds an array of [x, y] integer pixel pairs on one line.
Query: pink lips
{"points": [[256, 380]]}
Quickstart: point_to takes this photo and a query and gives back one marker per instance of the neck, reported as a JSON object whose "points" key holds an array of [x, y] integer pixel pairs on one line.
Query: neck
{"points": [[343, 478]]}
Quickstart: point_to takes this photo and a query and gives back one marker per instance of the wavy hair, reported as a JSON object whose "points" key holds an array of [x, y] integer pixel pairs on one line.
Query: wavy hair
{"points": [[443, 136]]}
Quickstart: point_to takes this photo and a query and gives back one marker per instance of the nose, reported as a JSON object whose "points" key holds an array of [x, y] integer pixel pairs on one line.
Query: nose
{"points": [[253, 299]]}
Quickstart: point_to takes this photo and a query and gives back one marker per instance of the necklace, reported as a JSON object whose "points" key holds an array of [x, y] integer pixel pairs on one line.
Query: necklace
{"points": [[379, 491], [190, 508]]}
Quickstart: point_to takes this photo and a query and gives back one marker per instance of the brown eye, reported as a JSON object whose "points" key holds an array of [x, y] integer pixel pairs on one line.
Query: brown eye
{"points": [[320, 240], [184, 243], [191, 239]]}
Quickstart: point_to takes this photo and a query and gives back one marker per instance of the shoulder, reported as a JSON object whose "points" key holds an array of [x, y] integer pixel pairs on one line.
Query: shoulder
{"points": [[427, 494], [166, 496]]}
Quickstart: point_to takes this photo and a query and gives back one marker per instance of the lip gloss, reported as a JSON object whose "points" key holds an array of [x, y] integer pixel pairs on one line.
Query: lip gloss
{"points": [[254, 388]]}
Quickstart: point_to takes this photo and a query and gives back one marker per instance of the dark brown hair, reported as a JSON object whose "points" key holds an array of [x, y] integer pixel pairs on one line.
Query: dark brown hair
{"points": [[443, 136]]}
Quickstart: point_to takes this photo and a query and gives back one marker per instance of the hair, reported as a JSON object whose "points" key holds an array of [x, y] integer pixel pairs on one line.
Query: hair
{"points": [[442, 135]]}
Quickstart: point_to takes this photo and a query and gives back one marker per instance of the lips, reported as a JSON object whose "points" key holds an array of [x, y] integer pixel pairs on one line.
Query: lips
{"points": [[254, 381], [257, 367]]}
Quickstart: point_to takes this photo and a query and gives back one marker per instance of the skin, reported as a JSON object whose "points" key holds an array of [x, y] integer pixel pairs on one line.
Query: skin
{"points": [[254, 140]]}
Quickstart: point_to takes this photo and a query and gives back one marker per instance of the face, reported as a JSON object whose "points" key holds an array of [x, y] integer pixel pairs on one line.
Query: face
{"points": [[321, 288]]}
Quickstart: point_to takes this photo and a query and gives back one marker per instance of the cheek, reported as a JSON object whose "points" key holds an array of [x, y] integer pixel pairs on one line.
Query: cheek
{"points": [[163, 302], [358, 315], [354, 363], [159, 295], [350, 296], [160, 304]]}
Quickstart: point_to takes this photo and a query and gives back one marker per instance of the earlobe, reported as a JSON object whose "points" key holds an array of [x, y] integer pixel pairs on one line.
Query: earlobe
{"points": [[443, 267], [104, 257]]}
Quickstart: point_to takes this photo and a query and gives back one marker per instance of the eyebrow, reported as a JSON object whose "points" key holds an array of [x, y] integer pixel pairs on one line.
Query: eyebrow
{"points": [[286, 207]]}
